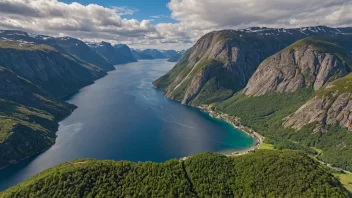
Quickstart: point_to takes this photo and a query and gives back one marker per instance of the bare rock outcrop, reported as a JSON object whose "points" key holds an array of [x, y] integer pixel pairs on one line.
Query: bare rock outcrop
{"points": [[291, 69]]}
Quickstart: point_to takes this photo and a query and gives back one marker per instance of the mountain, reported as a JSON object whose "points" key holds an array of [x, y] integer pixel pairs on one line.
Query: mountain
{"points": [[299, 98], [307, 63], [83, 52], [177, 57], [259, 174], [139, 55], [221, 63], [168, 53], [153, 54], [58, 73], [156, 54], [125, 52], [119, 54], [330, 105], [28, 118], [324, 66]]}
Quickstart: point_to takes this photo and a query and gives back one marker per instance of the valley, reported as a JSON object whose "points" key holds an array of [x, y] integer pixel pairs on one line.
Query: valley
{"points": [[262, 92]]}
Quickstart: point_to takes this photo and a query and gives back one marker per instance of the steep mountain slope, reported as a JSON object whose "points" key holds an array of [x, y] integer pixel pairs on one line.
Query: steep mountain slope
{"points": [[259, 174], [177, 57], [114, 55], [330, 105], [58, 73], [222, 62], [125, 53], [139, 55], [28, 118], [83, 52], [300, 98], [307, 63]]}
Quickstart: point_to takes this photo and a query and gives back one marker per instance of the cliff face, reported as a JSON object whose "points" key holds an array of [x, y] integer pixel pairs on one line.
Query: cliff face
{"points": [[306, 65], [229, 58], [28, 118], [56, 72], [82, 51], [232, 57], [330, 105]]}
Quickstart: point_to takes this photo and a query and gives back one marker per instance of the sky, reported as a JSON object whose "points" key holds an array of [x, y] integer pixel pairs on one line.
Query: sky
{"points": [[165, 24]]}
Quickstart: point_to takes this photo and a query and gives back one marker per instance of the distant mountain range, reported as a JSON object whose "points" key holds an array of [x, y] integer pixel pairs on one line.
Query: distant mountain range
{"points": [[117, 54], [171, 55]]}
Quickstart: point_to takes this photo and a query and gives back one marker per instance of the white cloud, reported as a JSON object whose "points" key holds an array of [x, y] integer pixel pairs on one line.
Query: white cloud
{"points": [[194, 19]]}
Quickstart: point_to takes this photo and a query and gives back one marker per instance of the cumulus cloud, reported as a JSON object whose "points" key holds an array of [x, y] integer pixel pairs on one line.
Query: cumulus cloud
{"points": [[87, 22], [194, 19]]}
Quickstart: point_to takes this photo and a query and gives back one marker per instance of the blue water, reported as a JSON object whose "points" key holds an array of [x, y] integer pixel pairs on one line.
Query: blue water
{"points": [[122, 117]]}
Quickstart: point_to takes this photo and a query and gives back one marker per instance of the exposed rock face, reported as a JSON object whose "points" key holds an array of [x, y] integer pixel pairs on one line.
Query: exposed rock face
{"points": [[313, 111], [232, 59], [50, 69], [331, 105], [291, 69], [236, 55]]}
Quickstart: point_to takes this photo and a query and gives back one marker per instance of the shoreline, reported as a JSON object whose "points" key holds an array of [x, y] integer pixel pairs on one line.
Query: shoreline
{"points": [[259, 139], [234, 122]]}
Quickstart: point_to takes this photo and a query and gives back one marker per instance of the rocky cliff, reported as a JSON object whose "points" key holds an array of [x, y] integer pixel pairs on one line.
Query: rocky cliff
{"points": [[307, 63], [217, 66], [221, 63], [330, 105]]}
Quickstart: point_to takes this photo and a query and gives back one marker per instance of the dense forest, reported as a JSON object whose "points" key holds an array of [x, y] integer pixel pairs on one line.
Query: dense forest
{"points": [[262, 173]]}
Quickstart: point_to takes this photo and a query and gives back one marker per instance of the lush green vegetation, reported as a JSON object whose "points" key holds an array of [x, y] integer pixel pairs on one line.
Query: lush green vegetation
{"points": [[265, 113], [28, 118], [259, 174], [346, 180], [337, 87], [164, 81]]}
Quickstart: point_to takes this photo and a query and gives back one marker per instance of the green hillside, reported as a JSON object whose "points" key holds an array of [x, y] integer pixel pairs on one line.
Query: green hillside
{"points": [[259, 174]]}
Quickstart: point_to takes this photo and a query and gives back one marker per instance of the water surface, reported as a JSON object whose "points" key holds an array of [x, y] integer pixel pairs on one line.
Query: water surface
{"points": [[122, 117]]}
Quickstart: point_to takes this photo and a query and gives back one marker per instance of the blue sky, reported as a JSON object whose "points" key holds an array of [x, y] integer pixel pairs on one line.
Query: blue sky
{"points": [[106, 20], [144, 9]]}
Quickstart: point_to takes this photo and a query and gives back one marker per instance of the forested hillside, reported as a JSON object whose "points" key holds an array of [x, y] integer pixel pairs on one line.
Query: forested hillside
{"points": [[259, 174]]}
